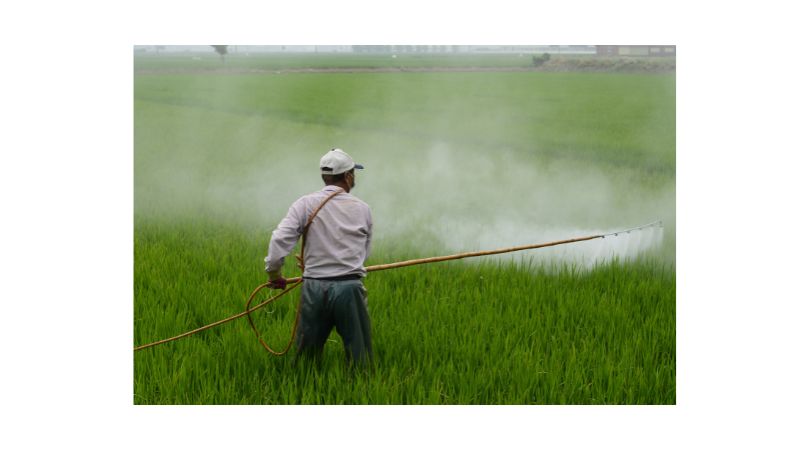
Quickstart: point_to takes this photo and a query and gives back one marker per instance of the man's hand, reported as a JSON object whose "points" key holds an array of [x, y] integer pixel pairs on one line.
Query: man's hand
{"points": [[276, 280]]}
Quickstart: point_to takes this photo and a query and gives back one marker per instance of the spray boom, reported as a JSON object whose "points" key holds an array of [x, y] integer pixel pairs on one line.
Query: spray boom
{"points": [[659, 223], [436, 259]]}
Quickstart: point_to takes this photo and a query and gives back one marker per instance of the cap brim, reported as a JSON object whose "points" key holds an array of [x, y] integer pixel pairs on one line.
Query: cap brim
{"points": [[358, 166]]}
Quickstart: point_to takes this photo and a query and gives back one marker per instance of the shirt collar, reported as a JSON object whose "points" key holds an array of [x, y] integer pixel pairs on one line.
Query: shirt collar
{"points": [[332, 188]]}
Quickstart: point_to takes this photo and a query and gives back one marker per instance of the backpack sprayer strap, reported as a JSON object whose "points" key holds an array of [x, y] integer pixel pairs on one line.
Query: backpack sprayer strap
{"points": [[311, 219]]}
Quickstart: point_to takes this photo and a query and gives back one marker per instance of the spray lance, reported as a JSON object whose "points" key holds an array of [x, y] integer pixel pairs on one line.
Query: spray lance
{"points": [[294, 282]]}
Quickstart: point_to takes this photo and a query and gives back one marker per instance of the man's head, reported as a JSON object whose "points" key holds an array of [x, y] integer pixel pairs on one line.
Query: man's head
{"points": [[337, 168]]}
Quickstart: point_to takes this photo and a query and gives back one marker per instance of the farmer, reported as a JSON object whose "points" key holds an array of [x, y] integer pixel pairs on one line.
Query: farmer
{"points": [[336, 245]]}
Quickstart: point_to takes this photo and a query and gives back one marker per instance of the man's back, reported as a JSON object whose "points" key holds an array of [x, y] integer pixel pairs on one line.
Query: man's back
{"points": [[338, 241]]}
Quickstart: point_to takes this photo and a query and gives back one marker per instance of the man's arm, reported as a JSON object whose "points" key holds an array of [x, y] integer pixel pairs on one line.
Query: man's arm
{"points": [[284, 238]]}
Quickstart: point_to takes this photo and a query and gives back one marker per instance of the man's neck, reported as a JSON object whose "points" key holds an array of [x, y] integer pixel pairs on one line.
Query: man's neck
{"points": [[341, 185]]}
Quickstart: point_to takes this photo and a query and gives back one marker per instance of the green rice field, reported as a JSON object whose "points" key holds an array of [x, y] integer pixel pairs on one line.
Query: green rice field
{"points": [[455, 161]]}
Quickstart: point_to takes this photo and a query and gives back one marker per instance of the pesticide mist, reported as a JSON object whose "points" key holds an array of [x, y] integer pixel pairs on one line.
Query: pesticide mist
{"points": [[465, 202], [475, 164]]}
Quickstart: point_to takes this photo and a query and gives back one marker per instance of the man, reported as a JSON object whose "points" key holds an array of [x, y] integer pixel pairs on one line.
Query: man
{"points": [[337, 245]]}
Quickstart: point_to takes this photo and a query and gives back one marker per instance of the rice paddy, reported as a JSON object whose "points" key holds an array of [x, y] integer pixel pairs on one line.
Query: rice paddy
{"points": [[454, 162]]}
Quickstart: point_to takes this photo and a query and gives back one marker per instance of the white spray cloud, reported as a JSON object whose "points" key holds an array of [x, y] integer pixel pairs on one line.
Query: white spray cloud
{"points": [[466, 201], [438, 197]]}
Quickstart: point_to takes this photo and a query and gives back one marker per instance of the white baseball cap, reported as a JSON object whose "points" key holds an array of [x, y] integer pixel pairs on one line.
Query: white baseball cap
{"points": [[336, 161]]}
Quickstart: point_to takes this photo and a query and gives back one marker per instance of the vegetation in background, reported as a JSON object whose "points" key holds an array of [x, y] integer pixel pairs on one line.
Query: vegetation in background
{"points": [[221, 50], [540, 60]]}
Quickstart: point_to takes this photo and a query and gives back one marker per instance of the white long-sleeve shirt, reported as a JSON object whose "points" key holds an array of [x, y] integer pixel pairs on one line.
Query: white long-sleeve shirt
{"points": [[338, 241]]}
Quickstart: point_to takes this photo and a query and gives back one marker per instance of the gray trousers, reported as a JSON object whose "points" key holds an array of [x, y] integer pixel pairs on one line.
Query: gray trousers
{"points": [[334, 304]]}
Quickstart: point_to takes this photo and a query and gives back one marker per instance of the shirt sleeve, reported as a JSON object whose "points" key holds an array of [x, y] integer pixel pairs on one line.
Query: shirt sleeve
{"points": [[285, 236]]}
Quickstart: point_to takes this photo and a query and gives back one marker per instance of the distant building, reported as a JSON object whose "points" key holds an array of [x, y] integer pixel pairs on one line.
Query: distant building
{"points": [[232, 49], [635, 50], [389, 49], [505, 49]]}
